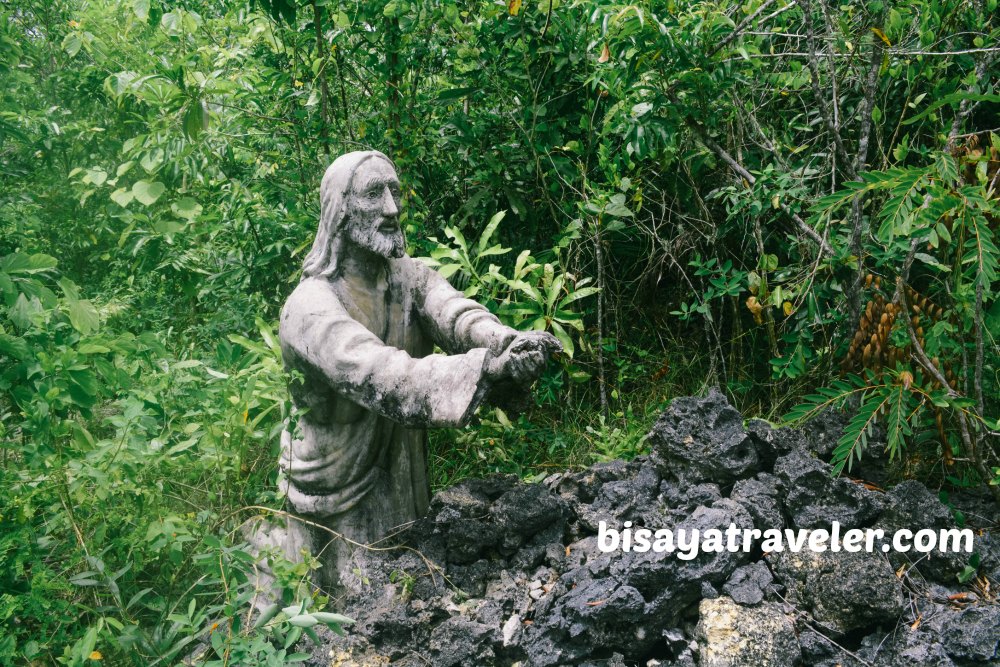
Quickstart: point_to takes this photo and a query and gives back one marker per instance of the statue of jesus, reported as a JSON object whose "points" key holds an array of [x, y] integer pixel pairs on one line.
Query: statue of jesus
{"points": [[359, 333]]}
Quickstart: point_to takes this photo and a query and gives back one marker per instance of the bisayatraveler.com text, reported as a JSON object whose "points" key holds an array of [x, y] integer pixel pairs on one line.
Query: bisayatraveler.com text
{"points": [[688, 543]]}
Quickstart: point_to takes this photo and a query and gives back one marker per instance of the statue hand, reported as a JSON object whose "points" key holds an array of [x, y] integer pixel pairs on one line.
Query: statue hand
{"points": [[541, 341], [525, 358]]}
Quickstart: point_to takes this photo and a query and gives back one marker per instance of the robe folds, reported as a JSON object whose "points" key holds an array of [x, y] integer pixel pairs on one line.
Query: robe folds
{"points": [[366, 384]]}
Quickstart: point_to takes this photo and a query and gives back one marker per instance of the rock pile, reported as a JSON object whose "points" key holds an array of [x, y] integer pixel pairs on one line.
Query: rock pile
{"points": [[506, 573]]}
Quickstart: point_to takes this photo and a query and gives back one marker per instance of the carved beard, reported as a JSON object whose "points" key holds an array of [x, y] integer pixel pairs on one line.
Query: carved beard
{"points": [[373, 239]]}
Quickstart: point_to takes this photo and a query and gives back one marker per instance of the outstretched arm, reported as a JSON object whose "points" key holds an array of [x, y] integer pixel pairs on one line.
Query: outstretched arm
{"points": [[436, 390], [454, 322]]}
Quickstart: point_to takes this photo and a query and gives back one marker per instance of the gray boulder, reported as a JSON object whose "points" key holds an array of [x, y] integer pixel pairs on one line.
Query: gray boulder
{"points": [[702, 439], [912, 506], [749, 584], [761, 496], [973, 634], [842, 591], [815, 499], [730, 635]]}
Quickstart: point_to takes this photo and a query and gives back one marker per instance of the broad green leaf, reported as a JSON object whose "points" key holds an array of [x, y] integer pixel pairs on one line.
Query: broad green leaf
{"points": [[186, 208], [91, 348], [97, 176], [327, 617], [581, 293], [303, 621], [147, 193], [83, 316], [195, 118], [72, 43], [448, 270], [70, 289], [22, 263], [15, 347], [122, 197], [23, 310], [452, 94], [564, 338], [489, 231]]}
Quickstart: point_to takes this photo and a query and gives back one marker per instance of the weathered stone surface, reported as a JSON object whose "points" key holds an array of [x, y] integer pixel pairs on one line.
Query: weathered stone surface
{"points": [[459, 642], [843, 591], [760, 496], [772, 443], [702, 439], [730, 635], [749, 584], [973, 634], [902, 648], [814, 500], [514, 575], [912, 506]]}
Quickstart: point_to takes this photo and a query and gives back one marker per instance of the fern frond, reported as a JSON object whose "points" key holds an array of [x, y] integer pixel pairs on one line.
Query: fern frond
{"points": [[898, 211], [855, 438], [981, 251], [898, 422], [825, 397]]}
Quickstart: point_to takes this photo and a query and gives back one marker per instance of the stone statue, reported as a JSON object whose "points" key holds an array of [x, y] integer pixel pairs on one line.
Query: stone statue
{"points": [[357, 337]]}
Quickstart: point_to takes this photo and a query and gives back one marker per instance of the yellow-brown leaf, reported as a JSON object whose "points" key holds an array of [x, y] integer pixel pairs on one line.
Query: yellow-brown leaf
{"points": [[881, 35]]}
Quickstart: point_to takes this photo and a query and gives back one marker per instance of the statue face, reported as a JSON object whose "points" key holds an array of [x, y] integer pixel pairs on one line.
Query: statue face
{"points": [[373, 210]]}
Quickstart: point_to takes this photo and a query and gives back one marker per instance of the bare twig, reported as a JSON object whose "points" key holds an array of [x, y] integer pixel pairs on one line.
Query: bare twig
{"points": [[857, 205], [966, 106], [813, 64], [324, 88], [746, 175], [601, 379], [738, 30]]}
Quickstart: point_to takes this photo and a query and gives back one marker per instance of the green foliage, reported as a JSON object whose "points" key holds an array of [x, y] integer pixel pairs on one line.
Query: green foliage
{"points": [[932, 208], [535, 296], [665, 171]]}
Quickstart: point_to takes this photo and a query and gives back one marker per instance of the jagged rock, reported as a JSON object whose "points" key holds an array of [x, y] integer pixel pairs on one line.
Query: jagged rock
{"points": [[843, 591], [462, 643], [815, 499], [686, 498], [621, 601], [772, 443], [912, 506], [511, 573], [902, 648], [760, 495], [616, 660], [818, 651], [702, 439], [730, 635], [618, 500], [973, 634], [749, 584]]}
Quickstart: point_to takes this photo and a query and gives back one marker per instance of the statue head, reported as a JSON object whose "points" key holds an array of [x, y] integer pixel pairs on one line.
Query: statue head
{"points": [[359, 210]]}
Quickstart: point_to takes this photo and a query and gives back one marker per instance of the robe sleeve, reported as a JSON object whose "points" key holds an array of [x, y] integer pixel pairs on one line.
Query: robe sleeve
{"points": [[454, 322], [436, 390]]}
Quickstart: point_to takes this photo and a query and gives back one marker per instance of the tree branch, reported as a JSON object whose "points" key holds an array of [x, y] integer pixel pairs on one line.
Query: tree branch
{"points": [[741, 170], [738, 30], [963, 422], [824, 108], [857, 205]]}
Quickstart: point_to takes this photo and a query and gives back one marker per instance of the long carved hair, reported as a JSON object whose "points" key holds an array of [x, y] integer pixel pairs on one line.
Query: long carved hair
{"points": [[322, 260]]}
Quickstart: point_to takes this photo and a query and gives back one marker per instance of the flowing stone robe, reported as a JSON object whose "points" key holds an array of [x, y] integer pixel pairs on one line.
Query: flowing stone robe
{"points": [[357, 461]]}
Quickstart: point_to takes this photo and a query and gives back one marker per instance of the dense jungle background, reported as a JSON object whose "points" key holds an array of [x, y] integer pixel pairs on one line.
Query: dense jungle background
{"points": [[796, 200]]}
